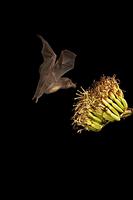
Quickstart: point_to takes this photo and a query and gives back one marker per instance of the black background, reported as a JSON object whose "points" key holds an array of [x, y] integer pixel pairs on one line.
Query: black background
{"points": [[102, 41], [101, 36]]}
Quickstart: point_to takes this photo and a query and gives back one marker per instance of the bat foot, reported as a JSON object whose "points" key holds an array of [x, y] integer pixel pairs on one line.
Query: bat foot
{"points": [[35, 99]]}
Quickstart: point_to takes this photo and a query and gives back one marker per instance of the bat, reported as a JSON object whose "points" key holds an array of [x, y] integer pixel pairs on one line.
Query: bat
{"points": [[52, 70]]}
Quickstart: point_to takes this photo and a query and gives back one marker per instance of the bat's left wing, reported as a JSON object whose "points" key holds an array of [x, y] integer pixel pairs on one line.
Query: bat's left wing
{"points": [[45, 70], [64, 64], [49, 57]]}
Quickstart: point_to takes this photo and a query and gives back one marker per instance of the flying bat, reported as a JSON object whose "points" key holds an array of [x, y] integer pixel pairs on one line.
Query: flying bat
{"points": [[52, 70]]}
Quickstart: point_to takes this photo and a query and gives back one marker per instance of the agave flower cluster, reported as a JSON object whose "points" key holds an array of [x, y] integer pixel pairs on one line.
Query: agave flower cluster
{"points": [[102, 103]]}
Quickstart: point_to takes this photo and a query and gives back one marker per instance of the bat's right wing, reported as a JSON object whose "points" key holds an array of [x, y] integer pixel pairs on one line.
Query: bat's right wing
{"points": [[64, 64], [48, 55]]}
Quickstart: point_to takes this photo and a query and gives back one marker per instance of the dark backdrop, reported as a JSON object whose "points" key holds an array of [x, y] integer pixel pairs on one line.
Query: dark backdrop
{"points": [[101, 38], [43, 140]]}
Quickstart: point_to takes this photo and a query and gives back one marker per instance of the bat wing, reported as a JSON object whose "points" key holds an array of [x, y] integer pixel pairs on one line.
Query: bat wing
{"points": [[64, 64], [48, 55], [40, 90], [45, 70]]}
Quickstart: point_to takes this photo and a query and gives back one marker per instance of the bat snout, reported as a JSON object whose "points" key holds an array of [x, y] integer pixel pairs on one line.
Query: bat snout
{"points": [[74, 85], [71, 84]]}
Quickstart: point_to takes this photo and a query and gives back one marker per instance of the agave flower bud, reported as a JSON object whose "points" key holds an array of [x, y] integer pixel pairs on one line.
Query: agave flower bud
{"points": [[102, 103]]}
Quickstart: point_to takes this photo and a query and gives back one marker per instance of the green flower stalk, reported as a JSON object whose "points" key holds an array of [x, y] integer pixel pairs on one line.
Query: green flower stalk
{"points": [[102, 103]]}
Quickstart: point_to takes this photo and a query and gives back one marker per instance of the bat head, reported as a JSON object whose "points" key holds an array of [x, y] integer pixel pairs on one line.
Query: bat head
{"points": [[68, 84]]}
